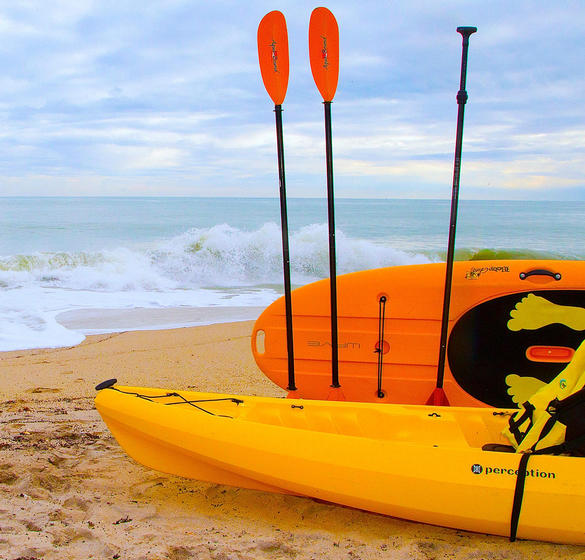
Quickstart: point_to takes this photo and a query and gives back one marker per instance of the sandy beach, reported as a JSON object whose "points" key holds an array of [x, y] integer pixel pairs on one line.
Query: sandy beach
{"points": [[68, 491]]}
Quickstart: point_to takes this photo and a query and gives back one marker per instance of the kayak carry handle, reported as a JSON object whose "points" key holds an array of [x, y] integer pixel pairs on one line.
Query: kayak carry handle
{"points": [[540, 272], [106, 384]]}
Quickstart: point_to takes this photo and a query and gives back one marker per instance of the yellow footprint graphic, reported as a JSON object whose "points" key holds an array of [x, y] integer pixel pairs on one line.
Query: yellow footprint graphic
{"points": [[531, 313], [522, 388], [534, 312]]}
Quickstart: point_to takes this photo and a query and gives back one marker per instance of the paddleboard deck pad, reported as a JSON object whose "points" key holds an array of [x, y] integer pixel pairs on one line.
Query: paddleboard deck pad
{"points": [[513, 326]]}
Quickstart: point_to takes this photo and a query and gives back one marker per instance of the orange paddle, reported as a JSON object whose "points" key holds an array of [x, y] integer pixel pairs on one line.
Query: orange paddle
{"points": [[273, 55], [324, 57], [274, 65]]}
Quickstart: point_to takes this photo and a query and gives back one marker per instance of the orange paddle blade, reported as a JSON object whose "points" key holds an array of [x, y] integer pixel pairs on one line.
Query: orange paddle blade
{"points": [[273, 55], [324, 51]]}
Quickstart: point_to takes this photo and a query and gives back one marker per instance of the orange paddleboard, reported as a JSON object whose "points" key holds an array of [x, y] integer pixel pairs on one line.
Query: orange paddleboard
{"points": [[514, 325]]}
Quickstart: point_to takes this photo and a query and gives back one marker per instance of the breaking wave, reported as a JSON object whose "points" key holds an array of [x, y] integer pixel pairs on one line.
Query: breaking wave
{"points": [[221, 256]]}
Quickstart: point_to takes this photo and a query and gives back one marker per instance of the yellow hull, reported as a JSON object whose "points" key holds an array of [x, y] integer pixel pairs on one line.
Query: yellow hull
{"points": [[414, 462]]}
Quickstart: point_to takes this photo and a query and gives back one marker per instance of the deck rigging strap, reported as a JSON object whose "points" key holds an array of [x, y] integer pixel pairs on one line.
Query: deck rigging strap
{"points": [[183, 400], [518, 495], [380, 346], [514, 424]]}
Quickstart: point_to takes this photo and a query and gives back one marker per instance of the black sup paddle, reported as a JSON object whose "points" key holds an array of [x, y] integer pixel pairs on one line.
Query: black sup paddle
{"points": [[324, 57], [274, 66], [438, 396]]}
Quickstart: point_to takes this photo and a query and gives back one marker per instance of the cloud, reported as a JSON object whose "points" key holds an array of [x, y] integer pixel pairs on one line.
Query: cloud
{"points": [[166, 97]]}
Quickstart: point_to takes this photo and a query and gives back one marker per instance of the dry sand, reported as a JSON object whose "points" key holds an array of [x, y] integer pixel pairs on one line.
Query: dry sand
{"points": [[67, 491]]}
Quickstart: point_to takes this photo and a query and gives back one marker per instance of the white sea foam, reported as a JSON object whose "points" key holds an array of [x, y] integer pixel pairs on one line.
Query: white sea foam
{"points": [[221, 256], [203, 267]]}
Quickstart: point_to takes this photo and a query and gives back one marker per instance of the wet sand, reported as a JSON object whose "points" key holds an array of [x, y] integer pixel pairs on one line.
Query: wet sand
{"points": [[67, 491]]}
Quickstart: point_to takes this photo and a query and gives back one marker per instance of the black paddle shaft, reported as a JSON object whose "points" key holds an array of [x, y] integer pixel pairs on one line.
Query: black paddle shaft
{"points": [[461, 101], [332, 255], [285, 249]]}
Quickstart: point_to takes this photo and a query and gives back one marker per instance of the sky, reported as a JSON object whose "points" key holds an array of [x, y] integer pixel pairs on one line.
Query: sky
{"points": [[165, 97]]}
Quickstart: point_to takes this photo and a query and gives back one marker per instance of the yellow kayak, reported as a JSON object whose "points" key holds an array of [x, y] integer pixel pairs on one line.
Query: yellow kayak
{"points": [[415, 462]]}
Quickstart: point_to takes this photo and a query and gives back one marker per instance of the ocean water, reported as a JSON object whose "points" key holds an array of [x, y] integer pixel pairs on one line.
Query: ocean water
{"points": [[73, 266]]}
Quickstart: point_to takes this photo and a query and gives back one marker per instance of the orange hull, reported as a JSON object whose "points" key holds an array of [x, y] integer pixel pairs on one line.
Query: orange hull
{"points": [[484, 346]]}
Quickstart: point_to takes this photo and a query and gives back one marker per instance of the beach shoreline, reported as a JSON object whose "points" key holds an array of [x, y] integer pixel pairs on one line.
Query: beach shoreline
{"points": [[106, 320], [67, 490]]}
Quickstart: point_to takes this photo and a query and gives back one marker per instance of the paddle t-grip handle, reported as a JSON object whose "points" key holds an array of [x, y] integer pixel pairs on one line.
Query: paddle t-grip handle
{"points": [[466, 31]]}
